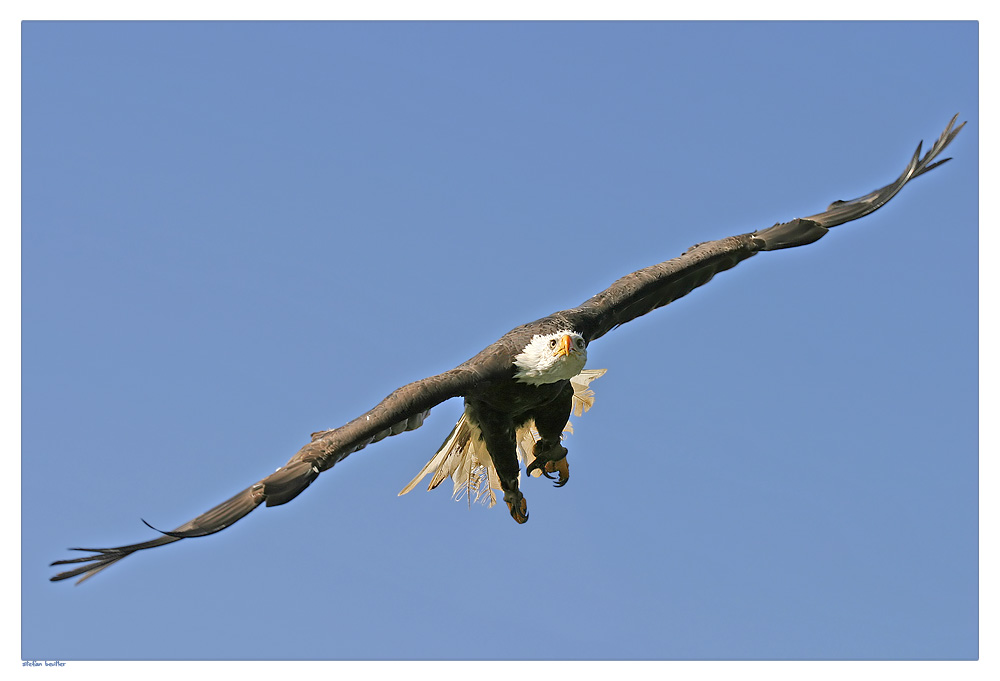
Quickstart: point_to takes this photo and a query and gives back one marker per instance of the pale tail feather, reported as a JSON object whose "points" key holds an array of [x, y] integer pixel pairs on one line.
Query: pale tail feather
{"points": [[463, 456]]}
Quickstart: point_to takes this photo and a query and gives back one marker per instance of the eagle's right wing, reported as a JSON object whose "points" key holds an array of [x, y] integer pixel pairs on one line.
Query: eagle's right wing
{"points": [[404, 409], [652, 287]]}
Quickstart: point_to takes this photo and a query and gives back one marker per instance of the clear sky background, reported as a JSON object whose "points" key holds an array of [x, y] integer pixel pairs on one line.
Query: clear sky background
{"points": [[236, 234]]}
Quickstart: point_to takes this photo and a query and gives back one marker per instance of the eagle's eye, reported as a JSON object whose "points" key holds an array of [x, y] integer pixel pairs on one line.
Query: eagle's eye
{"points": [[552, 343], [579, 343]]}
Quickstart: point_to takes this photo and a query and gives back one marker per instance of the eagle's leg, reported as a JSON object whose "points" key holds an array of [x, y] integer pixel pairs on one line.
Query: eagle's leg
{"points": [[498, 433], [507, 470], [550, 420]]}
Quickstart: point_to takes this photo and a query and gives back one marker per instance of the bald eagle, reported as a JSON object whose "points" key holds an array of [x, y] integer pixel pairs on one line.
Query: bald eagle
{"points": [[520, 391]]}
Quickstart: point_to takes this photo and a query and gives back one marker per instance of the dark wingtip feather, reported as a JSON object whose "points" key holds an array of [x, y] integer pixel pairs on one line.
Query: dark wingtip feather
{"points": [[937, 163], [178, 535], [213, 520]]}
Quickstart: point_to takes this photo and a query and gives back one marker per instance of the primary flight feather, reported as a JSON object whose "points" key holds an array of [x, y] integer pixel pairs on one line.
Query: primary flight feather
{"points": [[521, 390]]}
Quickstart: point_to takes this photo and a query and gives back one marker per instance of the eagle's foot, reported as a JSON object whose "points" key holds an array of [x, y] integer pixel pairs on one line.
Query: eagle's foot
{"points": [[561, 466], [550, 459], [517, 505]]}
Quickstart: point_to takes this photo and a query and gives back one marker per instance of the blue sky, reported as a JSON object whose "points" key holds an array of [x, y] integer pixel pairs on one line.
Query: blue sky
{"points": [[234, 234]]}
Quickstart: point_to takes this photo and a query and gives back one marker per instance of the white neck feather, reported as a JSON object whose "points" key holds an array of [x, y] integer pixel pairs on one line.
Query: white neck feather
{"points": [[540, 362]]}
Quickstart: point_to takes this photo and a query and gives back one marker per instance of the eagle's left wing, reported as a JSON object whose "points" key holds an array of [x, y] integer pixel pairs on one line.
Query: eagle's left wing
{"points": [[647, 289], [404, 409]]}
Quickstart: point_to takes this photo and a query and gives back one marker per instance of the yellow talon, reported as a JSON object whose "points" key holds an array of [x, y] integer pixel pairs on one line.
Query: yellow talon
{"points": [[561, 467], [519, 510]]}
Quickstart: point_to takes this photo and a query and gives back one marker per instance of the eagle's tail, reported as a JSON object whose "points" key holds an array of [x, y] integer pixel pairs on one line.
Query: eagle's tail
{"points": [[463, 456]]}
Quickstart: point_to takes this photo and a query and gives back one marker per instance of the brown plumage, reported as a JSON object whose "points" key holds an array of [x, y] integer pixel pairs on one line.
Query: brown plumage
{"points": [[496, 399]]}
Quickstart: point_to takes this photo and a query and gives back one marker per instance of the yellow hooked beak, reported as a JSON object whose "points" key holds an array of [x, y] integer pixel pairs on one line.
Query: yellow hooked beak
{"points": [[565, 345]]}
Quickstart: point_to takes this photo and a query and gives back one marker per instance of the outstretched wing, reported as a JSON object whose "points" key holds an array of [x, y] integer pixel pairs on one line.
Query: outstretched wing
{"points": [[647, 289], [405, 409]]}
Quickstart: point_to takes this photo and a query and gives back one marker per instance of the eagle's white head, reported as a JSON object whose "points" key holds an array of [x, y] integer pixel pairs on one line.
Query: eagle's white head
{"points": [[553, 357]]}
